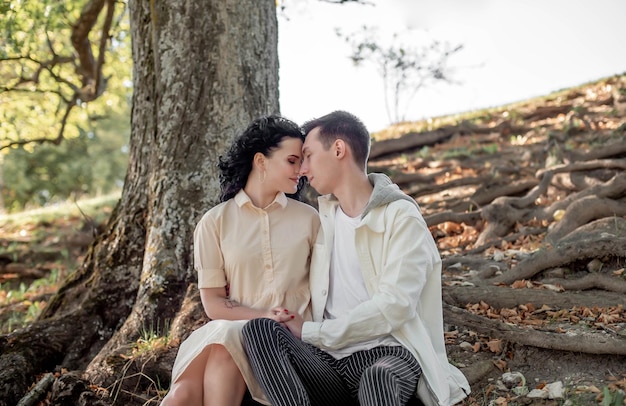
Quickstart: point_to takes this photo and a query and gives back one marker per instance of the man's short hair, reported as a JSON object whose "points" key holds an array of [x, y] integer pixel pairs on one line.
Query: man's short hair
{"points": [[345, 126]]}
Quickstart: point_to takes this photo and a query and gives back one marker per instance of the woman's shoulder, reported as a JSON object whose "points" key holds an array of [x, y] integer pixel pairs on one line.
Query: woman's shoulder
{"points": [[304, 208], [216, 211]]}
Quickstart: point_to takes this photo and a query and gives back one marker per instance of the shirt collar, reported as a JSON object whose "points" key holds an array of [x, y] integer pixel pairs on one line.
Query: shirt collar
{"points": [[241, 198]]}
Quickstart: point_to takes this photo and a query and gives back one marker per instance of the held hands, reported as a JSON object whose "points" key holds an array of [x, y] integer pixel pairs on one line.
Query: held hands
{"points": [[292, 321], [280, 314]]}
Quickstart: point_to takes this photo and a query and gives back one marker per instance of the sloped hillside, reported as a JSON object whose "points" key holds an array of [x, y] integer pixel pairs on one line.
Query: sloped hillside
{"points": [[527, 204]]}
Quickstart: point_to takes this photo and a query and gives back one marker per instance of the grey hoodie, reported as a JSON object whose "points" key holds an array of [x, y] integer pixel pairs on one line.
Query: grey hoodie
{"points": [[385, 191]]}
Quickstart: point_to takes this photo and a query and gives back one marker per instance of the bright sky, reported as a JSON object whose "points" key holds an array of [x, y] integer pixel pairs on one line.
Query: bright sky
{"points": [[513, 50]]}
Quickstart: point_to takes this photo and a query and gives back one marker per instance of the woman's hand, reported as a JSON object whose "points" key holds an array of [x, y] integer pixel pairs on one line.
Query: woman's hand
{"points": [[292, 321], [280, 314], [295, 325]]}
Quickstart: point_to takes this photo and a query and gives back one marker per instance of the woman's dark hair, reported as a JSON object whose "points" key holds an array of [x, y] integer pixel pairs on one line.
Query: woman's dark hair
{"points": [[262, 135]]}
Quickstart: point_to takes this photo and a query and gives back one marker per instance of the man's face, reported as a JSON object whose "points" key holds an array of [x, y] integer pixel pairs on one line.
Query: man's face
{"points": [[318, 164]]}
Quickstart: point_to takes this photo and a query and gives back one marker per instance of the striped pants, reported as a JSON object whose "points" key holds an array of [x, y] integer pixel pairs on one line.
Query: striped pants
{"points": [[292, 372]]}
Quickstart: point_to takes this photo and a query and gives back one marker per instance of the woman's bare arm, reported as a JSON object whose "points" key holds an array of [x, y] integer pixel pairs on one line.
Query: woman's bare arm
{"points": [[218, 306]]}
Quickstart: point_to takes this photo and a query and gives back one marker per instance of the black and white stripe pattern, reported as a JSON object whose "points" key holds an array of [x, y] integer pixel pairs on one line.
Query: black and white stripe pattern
{"points": [[292, 372]]}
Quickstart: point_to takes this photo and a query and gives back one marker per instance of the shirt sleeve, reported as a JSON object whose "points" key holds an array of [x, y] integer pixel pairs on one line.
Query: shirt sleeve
{"points": [[208, 258]]}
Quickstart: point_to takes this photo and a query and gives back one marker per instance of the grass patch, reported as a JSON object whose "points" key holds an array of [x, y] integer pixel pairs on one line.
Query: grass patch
{"points": [[98, 208], [38, 249]]}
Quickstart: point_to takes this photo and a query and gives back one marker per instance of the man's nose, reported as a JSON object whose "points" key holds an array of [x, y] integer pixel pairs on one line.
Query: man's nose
{"points": [[303, 170]]}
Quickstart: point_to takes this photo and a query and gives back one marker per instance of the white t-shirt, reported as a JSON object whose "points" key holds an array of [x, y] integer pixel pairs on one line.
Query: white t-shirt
{"points": [[347, 287]]}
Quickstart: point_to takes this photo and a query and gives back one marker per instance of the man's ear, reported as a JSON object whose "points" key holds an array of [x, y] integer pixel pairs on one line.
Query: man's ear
{"points": [[339, 147]]}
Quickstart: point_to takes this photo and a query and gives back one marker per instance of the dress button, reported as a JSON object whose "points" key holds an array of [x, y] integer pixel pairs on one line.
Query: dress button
{"points": [[324, 292]]}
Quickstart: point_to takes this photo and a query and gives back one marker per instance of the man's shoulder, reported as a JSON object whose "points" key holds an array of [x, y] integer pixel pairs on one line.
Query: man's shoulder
{"points": [[404, 206]]}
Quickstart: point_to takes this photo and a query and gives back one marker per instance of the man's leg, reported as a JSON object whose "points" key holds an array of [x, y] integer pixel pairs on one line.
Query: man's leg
{"points": [[290, 371], [382, 376]]}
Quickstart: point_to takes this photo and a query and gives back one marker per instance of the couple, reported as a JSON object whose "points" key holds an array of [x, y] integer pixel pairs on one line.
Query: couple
{"points": [[364, 327]]}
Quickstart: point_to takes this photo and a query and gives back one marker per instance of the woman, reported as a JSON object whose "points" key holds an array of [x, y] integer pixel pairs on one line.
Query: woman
{"points": [[252, 254]]}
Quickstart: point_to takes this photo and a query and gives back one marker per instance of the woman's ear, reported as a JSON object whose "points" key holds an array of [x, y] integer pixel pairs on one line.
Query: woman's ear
{"points": [[259, 161]]}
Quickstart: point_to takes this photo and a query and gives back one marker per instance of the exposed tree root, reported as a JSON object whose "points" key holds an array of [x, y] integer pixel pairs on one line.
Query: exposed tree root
{"points": [[40, 347], [607, 151], [591, 281], [488, 193], [587, 342], [586, 166], [458, 218], [420, 190], [584, 211], [613, 189], [38, 392], [502, 297], [563, 254], [411, 141]]}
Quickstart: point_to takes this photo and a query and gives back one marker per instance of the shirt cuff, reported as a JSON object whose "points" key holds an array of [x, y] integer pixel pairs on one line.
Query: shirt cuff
{"points": [[311, 332]]}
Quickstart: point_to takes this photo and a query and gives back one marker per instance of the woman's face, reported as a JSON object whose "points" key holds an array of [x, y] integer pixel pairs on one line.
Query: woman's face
{"points": [[282, 167]]}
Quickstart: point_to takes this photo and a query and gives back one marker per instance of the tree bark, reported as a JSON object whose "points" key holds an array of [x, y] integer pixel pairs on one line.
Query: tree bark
{"points": [[201, 71]]}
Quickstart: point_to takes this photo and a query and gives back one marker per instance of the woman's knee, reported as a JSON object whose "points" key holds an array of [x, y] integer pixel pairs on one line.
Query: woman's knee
{"points": [[219, 354], [182, 394]]}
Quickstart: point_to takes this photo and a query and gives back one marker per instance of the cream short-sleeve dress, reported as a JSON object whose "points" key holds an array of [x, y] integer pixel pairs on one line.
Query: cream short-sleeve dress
{"points": [[263, 256]]}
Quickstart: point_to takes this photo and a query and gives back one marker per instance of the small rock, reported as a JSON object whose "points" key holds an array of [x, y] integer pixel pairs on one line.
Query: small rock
{"points": [[465, 346], [538, 394], [456, 267], [498, 256], [594, 265], [556, 273], [513, 379], [552, 390], [555, 390]]}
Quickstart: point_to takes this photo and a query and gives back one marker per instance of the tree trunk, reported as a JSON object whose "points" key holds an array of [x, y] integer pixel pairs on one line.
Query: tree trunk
{"points": [[202, 72]]}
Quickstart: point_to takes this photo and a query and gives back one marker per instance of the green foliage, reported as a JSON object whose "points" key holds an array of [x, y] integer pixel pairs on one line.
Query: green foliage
{"points": [[40, 72], [152, 338], [30, 310], [612, 398], [43, 102], [93, 163]]}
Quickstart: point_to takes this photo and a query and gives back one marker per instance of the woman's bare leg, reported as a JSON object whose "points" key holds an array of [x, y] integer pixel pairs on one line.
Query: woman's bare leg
{"points": [[187, 390], [223, 382]]}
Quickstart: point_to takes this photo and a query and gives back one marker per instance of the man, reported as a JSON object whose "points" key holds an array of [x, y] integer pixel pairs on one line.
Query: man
{"points": [[377, 330]]}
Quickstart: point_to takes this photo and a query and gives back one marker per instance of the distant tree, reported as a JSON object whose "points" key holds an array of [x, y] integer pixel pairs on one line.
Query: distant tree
{"points": [[64, 71], [52, 67], [90, 164], [202, 70], [404, 68]]}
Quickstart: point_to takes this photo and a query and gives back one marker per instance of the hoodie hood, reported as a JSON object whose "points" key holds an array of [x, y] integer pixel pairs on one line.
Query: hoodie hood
{"points": [[385, 191]]}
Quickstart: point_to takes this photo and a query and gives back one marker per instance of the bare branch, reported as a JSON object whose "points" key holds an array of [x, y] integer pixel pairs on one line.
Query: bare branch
{"points": [[80, 40]]}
